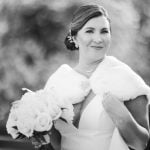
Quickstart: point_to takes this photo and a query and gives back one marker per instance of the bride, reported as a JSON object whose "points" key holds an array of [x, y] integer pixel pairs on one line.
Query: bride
{"points": [[110, 100]]}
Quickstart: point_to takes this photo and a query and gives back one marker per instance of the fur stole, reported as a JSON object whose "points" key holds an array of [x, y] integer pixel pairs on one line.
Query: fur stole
{"points": [[119, 79], [111, 76], [68, 84]]}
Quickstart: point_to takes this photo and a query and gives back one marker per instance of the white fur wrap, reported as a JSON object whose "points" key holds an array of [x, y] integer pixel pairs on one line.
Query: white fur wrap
{"points": [[111, 76], [69, 84], [119, 79]]}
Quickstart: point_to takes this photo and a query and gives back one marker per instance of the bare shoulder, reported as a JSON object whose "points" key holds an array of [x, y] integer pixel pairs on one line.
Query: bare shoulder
{"points": [[138, 107]]}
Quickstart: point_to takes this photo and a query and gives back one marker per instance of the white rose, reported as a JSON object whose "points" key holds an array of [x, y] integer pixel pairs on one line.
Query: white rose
{"points": [[26, 111], [25, 122], [50, 100], [11, 123], [43, 122], [25, 114], [25, 129], [62, 102], [12, 117], [54, 96], [14, 133], [31, 108], [54, 111]]}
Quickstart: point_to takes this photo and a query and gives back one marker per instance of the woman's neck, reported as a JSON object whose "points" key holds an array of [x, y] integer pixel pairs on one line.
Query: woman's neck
{"points": [[87, 67]]}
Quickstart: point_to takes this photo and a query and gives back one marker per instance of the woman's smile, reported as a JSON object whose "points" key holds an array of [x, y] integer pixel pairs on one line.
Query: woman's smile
{"points": [[97, 47]]}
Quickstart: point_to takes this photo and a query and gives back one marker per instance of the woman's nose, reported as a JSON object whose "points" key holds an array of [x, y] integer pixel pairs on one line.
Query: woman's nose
{"points": [[97, 38]]}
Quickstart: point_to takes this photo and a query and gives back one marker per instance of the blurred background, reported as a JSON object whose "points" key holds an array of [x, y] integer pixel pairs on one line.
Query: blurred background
{"points": [[32, 46]]}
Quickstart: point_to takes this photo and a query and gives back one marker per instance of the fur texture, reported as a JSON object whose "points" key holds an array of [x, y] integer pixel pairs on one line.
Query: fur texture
{"points": [[111, 76]]}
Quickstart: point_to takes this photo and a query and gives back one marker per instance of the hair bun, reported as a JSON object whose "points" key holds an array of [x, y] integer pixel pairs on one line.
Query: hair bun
{"points": [[70, 45]]}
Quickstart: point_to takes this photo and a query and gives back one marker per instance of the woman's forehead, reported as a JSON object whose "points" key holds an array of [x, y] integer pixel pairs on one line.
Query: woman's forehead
{"points": [[97, 22]]}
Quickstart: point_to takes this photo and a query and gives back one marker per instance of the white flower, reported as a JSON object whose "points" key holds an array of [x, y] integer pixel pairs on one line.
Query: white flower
{"points": [[11, 123], [54, 111], [13, 116], [61, 103], [50, 100], [43, 122], [14, 132], [25, 128], [54, 96], [36, 111]]}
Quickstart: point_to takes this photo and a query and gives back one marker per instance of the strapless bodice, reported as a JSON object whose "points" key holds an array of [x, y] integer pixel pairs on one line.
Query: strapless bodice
{"points": [[94, 131]]}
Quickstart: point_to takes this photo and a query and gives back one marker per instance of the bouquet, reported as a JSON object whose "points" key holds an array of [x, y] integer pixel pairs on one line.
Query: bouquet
{"points": [[34, 115]]}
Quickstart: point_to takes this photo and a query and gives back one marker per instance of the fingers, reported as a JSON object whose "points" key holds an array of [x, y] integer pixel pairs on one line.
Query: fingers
{"points": [[47, 138], [109, 97], [40, 140], [36, 142], [106, 94], [106, 98]]}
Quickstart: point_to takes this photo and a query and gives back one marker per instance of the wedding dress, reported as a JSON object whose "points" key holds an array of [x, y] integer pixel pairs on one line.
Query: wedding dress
{"points": [[95, 131]]}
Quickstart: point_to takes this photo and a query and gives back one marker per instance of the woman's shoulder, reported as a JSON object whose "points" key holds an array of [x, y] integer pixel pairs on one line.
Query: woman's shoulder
{"points": [[118, 67], [113, 67], [118, 78], [68, 83], [66, 73], [113, 61], [62, 69]]}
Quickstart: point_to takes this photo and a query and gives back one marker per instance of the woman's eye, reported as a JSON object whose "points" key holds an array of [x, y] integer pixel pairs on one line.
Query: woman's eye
{"points": [[104, 31], [89, 31]]}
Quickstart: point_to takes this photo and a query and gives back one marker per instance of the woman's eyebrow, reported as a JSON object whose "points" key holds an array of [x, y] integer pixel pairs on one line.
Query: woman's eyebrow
{"points": [[104, 28], [89, 28], [92, 28]]}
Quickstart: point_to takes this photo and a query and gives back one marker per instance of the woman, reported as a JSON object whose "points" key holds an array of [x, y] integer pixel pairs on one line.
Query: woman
{"points": [[110, 100]]}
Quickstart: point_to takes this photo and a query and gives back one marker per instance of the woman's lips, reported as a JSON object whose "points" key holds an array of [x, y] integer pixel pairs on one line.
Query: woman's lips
{"points": [[97, 47]]}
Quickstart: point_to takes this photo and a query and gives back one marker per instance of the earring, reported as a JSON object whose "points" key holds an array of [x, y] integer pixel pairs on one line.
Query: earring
{"points": [[76, 45]]}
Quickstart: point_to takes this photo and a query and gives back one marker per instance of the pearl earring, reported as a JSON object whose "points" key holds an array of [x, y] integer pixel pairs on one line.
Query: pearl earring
{"points": [[76, 45]]}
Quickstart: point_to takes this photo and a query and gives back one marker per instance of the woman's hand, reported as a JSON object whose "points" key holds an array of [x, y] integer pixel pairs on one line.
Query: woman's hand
{"points": [[115, 108], [40, 140]]}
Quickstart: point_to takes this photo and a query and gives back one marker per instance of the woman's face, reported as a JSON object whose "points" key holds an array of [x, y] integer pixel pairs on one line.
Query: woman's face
{"points": [[94, 38]]}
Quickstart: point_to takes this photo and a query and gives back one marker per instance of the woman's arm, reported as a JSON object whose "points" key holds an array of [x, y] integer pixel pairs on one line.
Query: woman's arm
{"points": [[55, 139], [131, 119], [139, 123]]}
